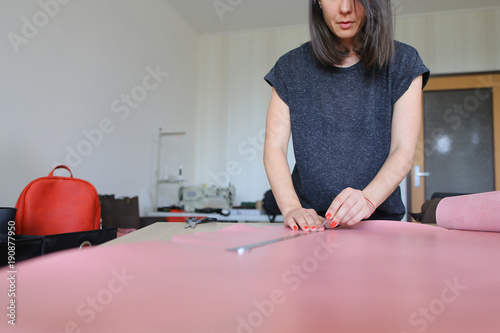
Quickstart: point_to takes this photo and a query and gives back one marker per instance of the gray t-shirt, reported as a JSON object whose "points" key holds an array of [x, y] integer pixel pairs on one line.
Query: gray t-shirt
{"points": [[341, 122]]}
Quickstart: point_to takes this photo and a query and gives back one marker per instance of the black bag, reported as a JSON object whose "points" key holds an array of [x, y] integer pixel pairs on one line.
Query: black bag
{"points": [[26, 247], [120, 212], [428, 212], [270, 205], [59, 242]]}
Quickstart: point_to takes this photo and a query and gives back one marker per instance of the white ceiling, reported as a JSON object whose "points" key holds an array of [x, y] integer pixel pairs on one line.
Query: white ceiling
{"points": [[235, 15]]}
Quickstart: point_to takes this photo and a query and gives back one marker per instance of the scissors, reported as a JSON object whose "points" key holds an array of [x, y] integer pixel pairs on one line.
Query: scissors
{"points": [[193, 221]]}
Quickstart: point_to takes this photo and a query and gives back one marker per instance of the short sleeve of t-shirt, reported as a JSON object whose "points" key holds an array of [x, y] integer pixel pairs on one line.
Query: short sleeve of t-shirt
{"points": [[292, 72], [405, 68], [275, 78]]}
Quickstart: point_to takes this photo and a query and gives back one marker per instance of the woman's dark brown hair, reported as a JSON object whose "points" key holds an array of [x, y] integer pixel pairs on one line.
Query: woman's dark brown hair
{"points": [[374, 43]]}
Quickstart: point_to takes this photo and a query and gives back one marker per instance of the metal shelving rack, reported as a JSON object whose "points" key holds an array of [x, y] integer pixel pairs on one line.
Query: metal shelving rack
{"points": [[159, 181]]}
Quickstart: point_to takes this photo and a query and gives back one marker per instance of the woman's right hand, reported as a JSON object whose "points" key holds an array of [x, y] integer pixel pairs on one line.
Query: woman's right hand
{"points": [[278, 131], [304, 219]]}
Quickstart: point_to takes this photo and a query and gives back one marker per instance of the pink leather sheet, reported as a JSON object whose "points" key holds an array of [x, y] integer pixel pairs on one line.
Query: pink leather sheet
{"points": [[378, 276], [479, 211]]}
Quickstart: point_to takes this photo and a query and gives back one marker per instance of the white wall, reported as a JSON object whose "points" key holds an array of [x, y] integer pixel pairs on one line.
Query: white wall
{"points": [[234, 97], [69, 77], [232, 106], [455, 42]]}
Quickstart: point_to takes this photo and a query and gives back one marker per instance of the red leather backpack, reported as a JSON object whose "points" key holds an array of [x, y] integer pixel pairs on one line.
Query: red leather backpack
{"points": [[53, 205]]}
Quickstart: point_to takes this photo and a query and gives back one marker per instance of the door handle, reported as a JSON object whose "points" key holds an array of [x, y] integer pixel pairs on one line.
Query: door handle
{"points": [[417, 174]]}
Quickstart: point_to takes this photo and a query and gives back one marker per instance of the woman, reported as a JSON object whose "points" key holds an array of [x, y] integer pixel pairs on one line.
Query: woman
{"points": [[351, 100]]}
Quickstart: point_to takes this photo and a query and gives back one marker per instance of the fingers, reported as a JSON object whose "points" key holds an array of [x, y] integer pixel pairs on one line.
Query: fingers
{"points": [[349, 207], [304, 219]]}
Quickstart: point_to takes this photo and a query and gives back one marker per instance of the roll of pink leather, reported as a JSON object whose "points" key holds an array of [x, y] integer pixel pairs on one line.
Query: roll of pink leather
{"points": [[479, 212]]}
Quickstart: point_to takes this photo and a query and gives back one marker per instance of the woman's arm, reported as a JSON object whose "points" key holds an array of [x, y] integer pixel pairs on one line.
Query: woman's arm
{"points": [[278, 131], [351, 206]]}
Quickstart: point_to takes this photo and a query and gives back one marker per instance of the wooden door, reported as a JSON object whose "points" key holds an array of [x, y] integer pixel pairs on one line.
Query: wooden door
{"points": [[459, 145]]}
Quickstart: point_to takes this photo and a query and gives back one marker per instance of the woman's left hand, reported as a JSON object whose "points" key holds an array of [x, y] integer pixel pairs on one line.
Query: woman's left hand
{"points": [[350, 207]]}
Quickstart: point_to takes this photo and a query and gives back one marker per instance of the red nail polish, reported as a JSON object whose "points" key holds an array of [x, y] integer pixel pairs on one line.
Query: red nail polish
{"points": [[314, 228], [295, 228], [306, 228], [328, 216], [334, 224]]}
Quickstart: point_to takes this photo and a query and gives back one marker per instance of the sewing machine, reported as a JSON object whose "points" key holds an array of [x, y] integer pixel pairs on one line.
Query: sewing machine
{"points": [[199, 197]]}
